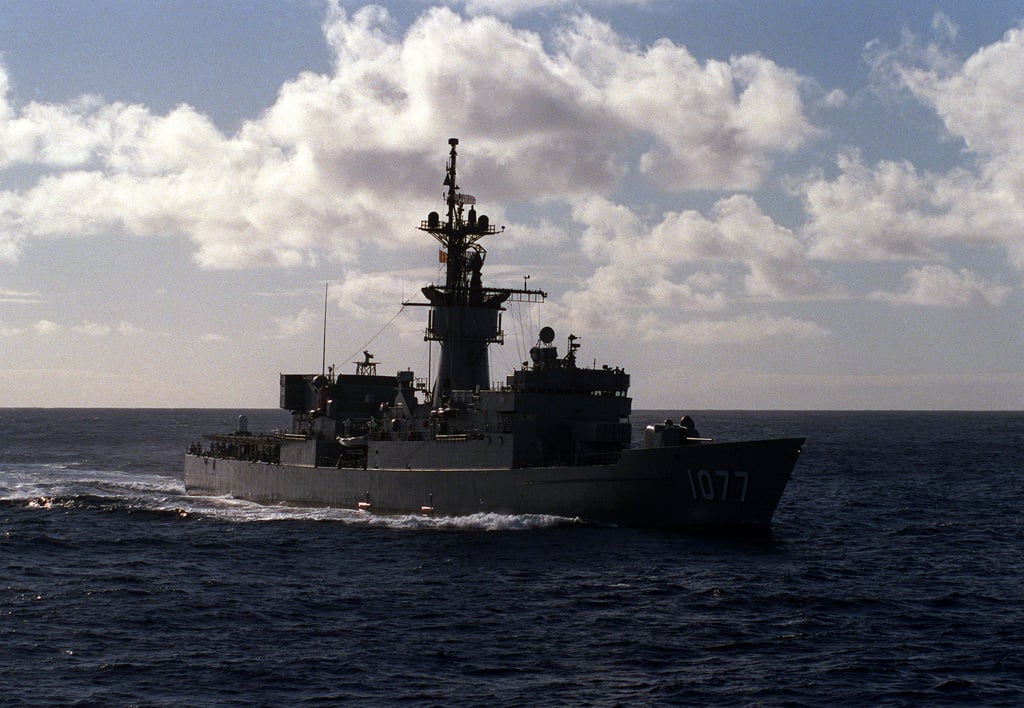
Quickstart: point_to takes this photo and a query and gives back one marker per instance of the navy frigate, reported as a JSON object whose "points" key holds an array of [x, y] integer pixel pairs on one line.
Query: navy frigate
{"points": [[555, 438]]}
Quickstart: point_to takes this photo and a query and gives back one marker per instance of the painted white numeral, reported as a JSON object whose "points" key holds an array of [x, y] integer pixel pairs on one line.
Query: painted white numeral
{"points": [[724, 476], [707, 485], [745, 478]]}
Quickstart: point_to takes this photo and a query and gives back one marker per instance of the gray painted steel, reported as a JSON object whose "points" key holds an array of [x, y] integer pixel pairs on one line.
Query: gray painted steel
{"points": [[712, 484]]}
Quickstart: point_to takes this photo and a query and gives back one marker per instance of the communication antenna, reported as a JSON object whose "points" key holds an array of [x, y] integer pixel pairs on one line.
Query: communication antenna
{"points": [[323, 360]]}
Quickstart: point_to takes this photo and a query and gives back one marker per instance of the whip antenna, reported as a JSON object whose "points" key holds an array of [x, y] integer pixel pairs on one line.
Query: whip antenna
{"points": [[323, 360]]}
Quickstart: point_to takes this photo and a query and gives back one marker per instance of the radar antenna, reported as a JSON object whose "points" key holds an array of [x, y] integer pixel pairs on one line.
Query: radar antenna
{"points": [[366, 367]]}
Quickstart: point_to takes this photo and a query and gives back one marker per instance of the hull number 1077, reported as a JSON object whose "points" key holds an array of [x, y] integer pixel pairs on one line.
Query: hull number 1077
{"points": [[718, 485]]}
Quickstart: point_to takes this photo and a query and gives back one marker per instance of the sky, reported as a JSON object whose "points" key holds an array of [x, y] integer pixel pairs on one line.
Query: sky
{"points": [[747, 205]]}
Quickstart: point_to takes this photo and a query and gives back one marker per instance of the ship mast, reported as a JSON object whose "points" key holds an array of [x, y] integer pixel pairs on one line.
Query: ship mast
{"points": [[465, 317]]}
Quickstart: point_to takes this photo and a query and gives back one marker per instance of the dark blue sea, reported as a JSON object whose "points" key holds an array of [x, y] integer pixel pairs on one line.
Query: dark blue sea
{"points": [[893, 575]]}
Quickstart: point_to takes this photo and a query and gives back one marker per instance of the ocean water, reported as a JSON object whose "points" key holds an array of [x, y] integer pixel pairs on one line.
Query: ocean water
{"points": [[892, 576]]}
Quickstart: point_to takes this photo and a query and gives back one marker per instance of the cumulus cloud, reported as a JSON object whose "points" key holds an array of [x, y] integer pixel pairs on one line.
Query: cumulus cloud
{"points": [[555, 115], [939, 286], [737, 232], [687, 262], [886, 212], [713, 125], [892, 210]]}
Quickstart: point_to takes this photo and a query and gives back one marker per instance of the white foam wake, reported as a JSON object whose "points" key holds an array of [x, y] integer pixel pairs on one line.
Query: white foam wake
{"points": [[229, 509], [49, 485]]}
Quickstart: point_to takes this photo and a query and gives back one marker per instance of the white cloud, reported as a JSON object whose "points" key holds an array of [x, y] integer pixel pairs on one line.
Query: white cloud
{"points": [[128, 329], [46, 327], [938, 286], [836, 98], [214, 337], [651, 256], [371, 296], [92, 329], [331, 166], [944, 26], [740, 232], [714, 125], [88, 328], [18, 296], [52, 135], [649, 275], [979, 99], [892, 210], [886, 213], [298, 324]]}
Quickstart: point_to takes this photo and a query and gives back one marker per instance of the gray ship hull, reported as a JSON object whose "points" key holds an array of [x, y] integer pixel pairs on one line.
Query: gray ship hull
{"points": [[716, 484]]}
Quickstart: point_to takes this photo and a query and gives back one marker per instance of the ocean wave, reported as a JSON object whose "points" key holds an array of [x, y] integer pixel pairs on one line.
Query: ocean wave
{"points": [[49, 486], [30, 481]]}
